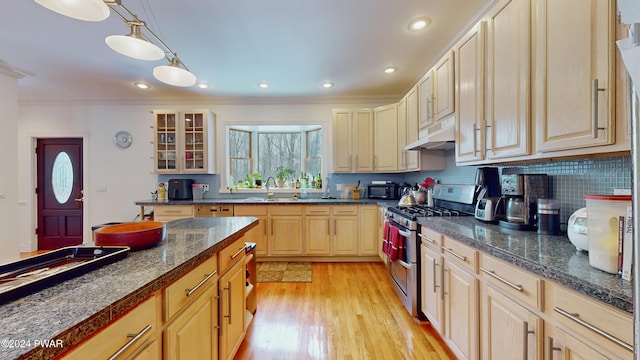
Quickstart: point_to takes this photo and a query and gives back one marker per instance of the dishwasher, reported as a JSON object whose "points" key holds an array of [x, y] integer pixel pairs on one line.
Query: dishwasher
{"points": [[213, 210]]}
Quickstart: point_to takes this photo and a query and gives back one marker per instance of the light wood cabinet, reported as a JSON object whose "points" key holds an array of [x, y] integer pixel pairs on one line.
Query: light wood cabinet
{"points": [[258, 234], [444, 102], [352, 140], [331, 230], [412, 157], [233, 308], [381, 220], [460, 310], [385, 120], [432, 293], [172, 212], [425, 103], [285, 230], [317, 230], [369, 234], [345, 229], [142, 322], [183, 142], [193, 334], [574, 74], [402, 133]]}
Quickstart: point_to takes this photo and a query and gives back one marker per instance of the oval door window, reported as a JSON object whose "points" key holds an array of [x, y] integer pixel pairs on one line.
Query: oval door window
{"points": [[62, 177]]}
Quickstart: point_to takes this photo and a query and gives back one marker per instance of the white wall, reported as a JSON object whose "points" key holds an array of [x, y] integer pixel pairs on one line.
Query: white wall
{"points": [[127, 174], [9, 207]]}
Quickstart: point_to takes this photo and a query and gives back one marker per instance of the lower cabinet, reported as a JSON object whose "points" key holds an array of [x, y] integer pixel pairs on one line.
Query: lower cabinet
{"points": [[232, 311], [432, 295], [345, 230], [258, 234], [133, 335], [194, 333], [460, 311], [172, 212], [285, 230], [369, 234]]}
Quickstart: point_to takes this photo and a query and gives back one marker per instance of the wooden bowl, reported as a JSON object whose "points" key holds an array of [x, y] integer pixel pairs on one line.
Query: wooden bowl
{"points": [[136, 235]]}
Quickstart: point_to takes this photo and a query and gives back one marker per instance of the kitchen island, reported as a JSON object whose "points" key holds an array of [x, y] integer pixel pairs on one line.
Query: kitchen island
{"points": [[51, 321]]}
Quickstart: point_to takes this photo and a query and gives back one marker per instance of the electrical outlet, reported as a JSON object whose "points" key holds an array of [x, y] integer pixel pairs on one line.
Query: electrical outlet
{"points": [[205, 187]]}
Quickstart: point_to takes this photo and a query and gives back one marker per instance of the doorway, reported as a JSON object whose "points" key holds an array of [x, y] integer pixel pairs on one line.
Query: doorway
{"points": [[59, 192]]}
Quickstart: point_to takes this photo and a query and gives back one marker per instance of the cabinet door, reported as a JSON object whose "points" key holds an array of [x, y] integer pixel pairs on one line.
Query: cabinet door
{"points": [[567, 347], [461, 311], [412, 158], [470, 126], [317, 235], [149, 352], [286, 235], [342, 138], [432, 294], [508, 85], [196, 140], [381, 220], [166, 149], [402, 134], [509, 331], [345, 235], [258, 234], [193, 334], [369, 235], [444, 86], [363, 140], [232, 329], [574, 48], [386, 138], [425, 103]]}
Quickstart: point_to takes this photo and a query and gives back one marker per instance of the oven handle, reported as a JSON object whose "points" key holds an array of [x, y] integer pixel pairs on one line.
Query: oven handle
{"points": [[405, 233], [404, 264]]}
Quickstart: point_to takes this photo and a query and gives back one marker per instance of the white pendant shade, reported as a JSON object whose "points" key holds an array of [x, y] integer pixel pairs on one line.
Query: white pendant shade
{"points": [[88, 10], [174, 75], [134, 45]]}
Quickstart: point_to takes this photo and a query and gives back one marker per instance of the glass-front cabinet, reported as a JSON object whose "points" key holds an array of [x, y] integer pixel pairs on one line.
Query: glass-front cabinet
{"points": [[183, 142]]}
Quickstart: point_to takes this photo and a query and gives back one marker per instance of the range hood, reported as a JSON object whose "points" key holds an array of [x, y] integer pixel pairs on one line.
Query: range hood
{"points": [[437, 136]]}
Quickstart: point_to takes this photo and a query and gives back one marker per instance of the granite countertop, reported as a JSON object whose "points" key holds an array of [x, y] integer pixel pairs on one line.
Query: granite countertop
{"points": [[551, 257], [260, 200], [73, 310]]}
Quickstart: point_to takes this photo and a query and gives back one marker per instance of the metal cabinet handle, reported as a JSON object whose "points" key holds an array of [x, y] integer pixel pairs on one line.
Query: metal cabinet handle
{"points": [[594, 108], [450, 251], [525, 339], [551, 348], [427, 238], [501, 279], [219, 326], [228, 288], [576, 318], [134, 338], [241, 250], [434, 275], [195, 288]]}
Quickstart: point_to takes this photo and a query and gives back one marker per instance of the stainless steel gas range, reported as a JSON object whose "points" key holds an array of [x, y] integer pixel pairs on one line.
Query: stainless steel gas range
{"points": [[449, 200]]}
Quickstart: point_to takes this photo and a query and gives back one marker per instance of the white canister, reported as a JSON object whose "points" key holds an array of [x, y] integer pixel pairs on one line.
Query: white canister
{"points": [[603, 214]]}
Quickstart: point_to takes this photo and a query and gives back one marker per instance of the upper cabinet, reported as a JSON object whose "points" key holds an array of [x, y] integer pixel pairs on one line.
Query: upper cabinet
{"points": [[385, 142], [574, 74], [352, 140], [436, 93], [183, 142]]}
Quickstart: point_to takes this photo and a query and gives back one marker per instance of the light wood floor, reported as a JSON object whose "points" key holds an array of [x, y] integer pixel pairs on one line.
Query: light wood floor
{"points": [[349, 311]]}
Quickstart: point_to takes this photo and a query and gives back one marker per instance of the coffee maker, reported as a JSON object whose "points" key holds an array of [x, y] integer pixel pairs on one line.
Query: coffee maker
{"points": [[520, 194]]}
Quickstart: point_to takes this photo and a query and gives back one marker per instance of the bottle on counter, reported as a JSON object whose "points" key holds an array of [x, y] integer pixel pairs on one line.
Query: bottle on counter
{"points": [[318, 181], [297, 183]]}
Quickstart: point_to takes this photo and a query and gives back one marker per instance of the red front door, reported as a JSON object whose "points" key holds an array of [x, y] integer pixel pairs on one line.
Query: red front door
{"points": [[60, 200]]}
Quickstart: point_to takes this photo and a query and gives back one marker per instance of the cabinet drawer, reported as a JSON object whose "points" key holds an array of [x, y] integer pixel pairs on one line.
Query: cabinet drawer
{"points": [[525, 287], [460, 254], [141, 320], [250, 210], [285, 210], [317, 210], [431, 239], [230, 255], [174, 211], [183, 290], [595, 321], [213, 210], [344, 210]]}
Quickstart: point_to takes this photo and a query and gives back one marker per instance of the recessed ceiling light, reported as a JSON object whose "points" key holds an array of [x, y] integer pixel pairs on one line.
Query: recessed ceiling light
{"points": [[263, 85], [419, 23], [203, 86], [389, 70], [327, 84], [142, 85]]}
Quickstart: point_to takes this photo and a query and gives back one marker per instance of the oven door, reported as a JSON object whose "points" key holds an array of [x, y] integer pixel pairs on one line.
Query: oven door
{"points": [[403, 271]]}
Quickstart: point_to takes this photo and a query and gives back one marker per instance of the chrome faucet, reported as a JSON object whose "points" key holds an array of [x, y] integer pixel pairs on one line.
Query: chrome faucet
{"points": [[269, 194]]}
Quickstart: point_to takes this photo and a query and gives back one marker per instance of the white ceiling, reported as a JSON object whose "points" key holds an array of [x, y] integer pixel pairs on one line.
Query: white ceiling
{"points": [[294, 45]]}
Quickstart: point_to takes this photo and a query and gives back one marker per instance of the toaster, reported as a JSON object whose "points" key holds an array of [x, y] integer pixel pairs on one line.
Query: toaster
{"points": [[489, 209]]}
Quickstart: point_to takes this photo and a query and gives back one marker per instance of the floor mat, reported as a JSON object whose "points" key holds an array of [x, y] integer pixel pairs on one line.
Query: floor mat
{"points": [[284, 272]]}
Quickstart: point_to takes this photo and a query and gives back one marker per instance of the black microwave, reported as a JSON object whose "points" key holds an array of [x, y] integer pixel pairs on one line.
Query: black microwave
{"points": [[383, 191]]}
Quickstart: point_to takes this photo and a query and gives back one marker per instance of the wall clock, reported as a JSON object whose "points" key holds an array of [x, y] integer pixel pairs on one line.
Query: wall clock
{"points": [[123, 139]]}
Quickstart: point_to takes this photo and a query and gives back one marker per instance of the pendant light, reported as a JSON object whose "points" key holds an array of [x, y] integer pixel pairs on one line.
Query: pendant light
{"points": [[173, 74], [87, 10], [135, 45]]}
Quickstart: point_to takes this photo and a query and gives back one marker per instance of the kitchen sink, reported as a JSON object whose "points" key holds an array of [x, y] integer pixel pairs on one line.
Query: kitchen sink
{"points": [[261, 199]]}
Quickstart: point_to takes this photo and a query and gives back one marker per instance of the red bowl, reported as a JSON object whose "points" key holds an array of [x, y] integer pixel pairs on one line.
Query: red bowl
{"points": [[136, 235]]}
